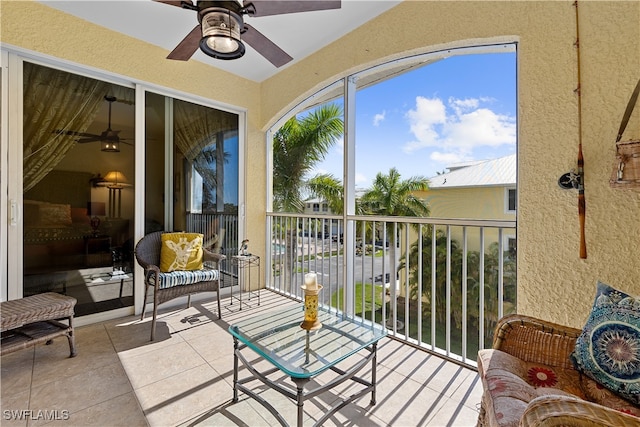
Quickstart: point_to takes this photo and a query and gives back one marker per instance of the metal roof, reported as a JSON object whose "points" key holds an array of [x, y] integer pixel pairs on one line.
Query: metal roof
{"points": [[495, 172]]}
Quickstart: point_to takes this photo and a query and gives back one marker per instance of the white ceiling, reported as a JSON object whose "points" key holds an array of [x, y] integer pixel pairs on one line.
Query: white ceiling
{"points": [[298, 34]]}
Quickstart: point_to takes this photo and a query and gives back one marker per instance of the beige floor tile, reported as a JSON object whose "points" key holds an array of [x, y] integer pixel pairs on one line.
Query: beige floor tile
{"points": [[13, 407], [164, 362], [94, 352], [390, 350], [121, 411], [213, 347], [284, 406], [228, 414], [81, 391], [181, 316], [177, 398], [402, 401], [436, 373], [132, 338], [200, 319], [141, 329], [470, 391], [354, 415], [454, 413], [15, 372]]}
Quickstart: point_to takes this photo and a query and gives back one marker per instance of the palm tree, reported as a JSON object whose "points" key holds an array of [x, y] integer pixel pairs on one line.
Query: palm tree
{"points": [[390, 195], [330, 189], [297, 146]]}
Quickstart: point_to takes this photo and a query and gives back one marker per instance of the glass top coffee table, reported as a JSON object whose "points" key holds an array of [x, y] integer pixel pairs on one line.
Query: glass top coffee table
{"points": [[302, 355]]}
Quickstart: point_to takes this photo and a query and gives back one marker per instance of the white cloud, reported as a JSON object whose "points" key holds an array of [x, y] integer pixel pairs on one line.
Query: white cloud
{"points": [[447, 158], [378, 118], [462, 105], [424, 121], [456, 131], [481, 127]]}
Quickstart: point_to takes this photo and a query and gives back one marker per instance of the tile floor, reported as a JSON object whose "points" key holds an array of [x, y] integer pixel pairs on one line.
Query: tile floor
{"points": [[185, 377]]}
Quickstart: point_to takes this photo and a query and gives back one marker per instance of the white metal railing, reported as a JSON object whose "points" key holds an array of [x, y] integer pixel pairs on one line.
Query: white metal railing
{"points": [[454, 278], [220, 232]]}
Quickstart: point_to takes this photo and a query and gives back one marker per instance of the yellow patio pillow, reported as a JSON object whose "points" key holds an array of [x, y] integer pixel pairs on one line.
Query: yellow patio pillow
{"points": [[181, 251]]}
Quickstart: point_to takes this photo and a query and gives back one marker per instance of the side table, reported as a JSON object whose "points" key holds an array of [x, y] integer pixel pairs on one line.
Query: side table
{"points": [[245, 264]]}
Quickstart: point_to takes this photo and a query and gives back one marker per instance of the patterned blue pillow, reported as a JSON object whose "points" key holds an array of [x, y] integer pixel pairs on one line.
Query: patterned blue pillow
{"points": [[608, 349]]}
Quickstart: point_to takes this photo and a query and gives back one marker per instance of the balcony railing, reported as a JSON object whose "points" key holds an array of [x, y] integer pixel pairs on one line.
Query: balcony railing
{"points": [[220, 235], [440, 284]]}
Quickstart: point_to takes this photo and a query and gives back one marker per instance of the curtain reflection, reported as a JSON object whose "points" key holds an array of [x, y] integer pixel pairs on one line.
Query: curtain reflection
{"points": [[56, 102]]}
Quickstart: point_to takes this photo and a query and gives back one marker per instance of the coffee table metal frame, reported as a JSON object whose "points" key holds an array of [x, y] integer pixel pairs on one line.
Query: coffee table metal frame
{"points": [[333, 325]]}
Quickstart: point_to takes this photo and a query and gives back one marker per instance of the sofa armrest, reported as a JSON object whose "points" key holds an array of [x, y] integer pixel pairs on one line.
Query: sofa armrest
{"points": [[555, 410], [535, 340]]}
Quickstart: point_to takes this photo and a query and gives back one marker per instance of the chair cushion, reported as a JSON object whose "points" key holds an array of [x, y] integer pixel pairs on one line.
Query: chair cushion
{"points": [[181, 251], [608, 349], [510, 384], [180, 278]]}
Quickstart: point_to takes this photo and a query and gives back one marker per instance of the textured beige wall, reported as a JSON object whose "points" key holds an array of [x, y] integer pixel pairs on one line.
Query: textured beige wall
{"points": [[554, 282], [475, 203], [469, 202]]}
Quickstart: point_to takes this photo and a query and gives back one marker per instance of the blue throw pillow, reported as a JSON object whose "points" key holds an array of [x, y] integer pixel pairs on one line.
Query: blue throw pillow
{"points": [[608, 349]]}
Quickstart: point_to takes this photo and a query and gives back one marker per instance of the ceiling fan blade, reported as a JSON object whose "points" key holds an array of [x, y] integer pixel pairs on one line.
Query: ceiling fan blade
{"points": [[276, 7], [91, 139], [74, 133], [175, 3], [265, 47], [188, 46]]}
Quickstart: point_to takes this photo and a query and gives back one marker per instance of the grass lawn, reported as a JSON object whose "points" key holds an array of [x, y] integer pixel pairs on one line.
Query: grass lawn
{"points": [[367, 290], [412, 329]]}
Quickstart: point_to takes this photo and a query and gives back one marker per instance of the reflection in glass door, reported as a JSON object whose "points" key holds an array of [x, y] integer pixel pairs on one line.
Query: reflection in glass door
{"points": [[78, 169], [192, 172]]}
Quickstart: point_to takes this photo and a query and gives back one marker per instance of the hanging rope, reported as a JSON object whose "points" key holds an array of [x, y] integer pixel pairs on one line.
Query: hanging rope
{"points": [[581, 200]]}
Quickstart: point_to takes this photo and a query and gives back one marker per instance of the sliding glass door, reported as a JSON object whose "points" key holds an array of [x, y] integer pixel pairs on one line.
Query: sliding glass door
{"points": [[77, 198], [78, 166]]}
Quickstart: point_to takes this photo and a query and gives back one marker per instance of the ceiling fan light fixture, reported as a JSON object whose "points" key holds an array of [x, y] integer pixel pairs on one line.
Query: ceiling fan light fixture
{"points": [[221, 30], [110, 146]]}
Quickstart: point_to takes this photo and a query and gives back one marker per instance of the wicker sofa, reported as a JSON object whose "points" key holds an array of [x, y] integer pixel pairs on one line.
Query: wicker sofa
{"points": [[529, 380]]}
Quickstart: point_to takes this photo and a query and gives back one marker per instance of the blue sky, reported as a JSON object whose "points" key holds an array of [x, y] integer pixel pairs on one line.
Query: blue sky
{"points": [[458, 109]]}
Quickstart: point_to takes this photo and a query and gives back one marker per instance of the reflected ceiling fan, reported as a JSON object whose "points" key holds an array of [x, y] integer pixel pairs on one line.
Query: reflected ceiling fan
{"points": [[221, 28], [109, 139]]}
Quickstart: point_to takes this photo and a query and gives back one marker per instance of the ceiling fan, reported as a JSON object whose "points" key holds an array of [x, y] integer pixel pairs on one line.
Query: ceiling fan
{"points": [[220, 27], [110, 141]]}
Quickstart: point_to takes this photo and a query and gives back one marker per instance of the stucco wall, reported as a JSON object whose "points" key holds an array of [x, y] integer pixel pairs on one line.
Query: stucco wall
{"points": [[554, 282], [469, 202]]}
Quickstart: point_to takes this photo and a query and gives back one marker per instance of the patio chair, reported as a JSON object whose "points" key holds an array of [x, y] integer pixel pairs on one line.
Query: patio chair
{"points": [[169, 285]]}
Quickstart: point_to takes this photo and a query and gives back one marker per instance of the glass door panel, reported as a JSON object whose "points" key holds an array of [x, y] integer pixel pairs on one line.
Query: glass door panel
{"points": [[206, 162], [78, 210], [192, 172]]}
